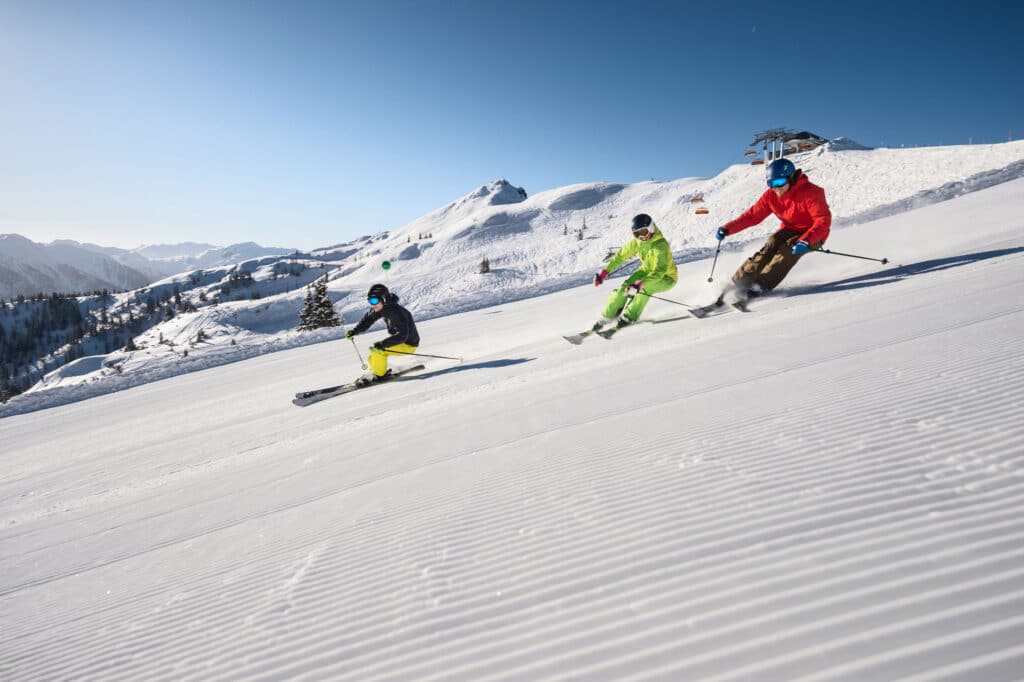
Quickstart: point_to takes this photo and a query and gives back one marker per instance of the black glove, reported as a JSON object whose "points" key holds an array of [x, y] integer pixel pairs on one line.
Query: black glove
{"points": [[379, 345]]}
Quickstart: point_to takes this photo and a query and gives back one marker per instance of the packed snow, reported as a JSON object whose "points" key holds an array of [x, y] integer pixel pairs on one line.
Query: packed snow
{"points": [[826, 488]]}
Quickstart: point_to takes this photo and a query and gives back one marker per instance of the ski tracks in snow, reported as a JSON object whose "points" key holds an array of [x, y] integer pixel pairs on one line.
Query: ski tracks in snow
{"points": [[842, 502]]}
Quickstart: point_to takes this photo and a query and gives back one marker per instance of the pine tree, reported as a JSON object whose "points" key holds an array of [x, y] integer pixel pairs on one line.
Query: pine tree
{"points": [[485, 266], [318, 311], [307, 312]]}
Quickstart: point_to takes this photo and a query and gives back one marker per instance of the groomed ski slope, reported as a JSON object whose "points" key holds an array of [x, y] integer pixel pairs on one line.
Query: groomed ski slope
{"points": [[827, 488]]}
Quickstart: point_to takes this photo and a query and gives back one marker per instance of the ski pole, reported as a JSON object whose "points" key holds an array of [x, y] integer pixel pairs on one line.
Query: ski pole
{"points": [[883, 261], [358, 354], [615, 270], [711, 277], [668, 300]]}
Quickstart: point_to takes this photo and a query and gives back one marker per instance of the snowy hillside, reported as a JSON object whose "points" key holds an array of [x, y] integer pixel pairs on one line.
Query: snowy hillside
{"points": [[826, 488], [529, 254], [537, 244]]}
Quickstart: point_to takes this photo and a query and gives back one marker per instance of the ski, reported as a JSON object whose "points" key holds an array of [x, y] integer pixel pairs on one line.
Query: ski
{"points": [[704, 311], [609, 333], [318, 391], [577, 339], [700, 312], [309, 397]]}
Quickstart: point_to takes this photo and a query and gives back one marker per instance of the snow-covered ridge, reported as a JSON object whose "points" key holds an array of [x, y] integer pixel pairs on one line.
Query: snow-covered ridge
{"points": [[546, 242]]}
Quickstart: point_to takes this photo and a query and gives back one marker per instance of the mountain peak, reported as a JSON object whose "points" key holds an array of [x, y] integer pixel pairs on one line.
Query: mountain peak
{"points": [[499, 192]]}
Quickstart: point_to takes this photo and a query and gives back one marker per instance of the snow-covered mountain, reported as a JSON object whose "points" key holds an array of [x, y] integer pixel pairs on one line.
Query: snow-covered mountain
{"points": [[27, 267], [173, 251], [67, 266], [826, 488], [153, 269], [541, 243], [188, 256]]}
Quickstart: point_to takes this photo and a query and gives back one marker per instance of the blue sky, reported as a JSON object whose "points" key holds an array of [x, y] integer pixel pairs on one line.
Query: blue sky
{"points": [[304, 124]]}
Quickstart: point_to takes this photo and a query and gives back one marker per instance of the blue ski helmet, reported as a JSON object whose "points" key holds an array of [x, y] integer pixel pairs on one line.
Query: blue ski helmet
{"points": [[779, 172]]}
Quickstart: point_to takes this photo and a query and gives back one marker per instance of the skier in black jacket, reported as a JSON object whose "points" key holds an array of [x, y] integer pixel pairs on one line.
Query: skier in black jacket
{"points": [[404, 337]]}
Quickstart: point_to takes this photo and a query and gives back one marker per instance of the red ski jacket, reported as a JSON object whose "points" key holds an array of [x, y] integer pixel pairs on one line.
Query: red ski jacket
{"points": [[803, 208]]}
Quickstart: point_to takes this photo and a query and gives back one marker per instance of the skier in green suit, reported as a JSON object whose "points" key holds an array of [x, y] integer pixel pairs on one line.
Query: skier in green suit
{"points": [[657, 273]]}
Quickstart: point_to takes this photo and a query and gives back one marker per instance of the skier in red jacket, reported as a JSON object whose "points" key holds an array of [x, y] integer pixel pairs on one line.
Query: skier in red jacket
{"points": [[806, 219]]}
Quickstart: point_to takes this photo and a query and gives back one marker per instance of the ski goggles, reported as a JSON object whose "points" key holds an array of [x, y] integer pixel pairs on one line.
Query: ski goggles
{"points": [[373, 300], [642, 232], [777, 182]]}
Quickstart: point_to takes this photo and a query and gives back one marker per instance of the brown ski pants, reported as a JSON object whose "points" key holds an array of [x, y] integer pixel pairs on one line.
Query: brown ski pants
{"points": [[769, 266]]}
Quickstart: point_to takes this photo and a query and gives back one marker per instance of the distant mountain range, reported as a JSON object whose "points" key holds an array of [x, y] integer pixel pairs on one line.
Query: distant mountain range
{"points": [[69, 267]]}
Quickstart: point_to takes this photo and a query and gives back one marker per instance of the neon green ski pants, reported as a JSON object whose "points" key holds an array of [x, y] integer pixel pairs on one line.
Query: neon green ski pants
{"points": [[617, 301]]}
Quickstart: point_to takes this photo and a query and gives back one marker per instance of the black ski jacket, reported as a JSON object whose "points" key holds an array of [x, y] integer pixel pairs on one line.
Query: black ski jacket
{"points": [[399, 322]]}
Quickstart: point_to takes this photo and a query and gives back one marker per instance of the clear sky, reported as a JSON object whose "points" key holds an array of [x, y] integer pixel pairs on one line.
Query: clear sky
{"points": [[304, 124]]}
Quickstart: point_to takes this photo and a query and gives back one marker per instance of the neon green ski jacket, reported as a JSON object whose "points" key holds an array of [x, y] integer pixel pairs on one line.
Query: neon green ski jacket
{"points": [[655, 256]]}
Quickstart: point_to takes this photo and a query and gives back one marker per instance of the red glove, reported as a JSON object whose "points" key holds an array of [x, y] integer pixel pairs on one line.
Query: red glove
{"points": [[600, 277], [638, 285]]}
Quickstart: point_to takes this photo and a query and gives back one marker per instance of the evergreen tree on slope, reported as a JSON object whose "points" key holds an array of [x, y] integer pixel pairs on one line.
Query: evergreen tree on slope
{"points": [[318, 311]]}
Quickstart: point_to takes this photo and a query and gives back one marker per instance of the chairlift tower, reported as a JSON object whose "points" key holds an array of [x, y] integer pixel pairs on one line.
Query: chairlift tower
{"points": [[775, 136]]}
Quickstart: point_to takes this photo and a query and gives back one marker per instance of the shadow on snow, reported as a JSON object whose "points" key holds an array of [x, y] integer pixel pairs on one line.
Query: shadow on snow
{"points": [[894, 274], [490, 364]]}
